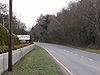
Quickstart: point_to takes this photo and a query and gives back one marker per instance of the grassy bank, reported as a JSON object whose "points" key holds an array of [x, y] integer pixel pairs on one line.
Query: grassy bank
{"points": [[86, 49], [36, 62]]}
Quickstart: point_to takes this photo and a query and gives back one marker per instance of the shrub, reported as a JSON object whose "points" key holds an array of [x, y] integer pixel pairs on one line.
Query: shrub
{"points": [[3, 35], [15, 40], [4, 49]]}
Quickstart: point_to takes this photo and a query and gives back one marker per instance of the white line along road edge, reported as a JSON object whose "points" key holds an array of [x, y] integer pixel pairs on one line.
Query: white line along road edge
{"points": [[60, 63]]}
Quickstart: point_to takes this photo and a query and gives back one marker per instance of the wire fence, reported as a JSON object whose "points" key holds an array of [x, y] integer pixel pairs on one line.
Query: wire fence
{"points": [[16, 56]]}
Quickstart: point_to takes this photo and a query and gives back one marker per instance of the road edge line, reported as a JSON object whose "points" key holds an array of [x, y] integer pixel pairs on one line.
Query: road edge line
{"points": [[60, 63]]}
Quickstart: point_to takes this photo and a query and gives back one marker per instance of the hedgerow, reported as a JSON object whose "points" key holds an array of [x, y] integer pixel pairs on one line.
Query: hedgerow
{"points": [[4, 37], [4, 33], [15, 40], [4, 49]]}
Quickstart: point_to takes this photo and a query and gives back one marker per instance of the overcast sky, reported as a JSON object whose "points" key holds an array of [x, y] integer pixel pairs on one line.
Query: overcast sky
{"points": [[29, 10]]}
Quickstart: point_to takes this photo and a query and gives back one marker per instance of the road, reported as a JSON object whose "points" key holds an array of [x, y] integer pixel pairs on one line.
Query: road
{"points": [[76, 61]]}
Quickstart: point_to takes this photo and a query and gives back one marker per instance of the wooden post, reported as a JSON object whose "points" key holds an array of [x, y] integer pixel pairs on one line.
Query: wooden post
{"points": [[10, 37]]}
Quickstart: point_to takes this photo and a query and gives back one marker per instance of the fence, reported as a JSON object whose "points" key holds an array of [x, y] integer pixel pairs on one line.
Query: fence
{"points": [[16, 55]]}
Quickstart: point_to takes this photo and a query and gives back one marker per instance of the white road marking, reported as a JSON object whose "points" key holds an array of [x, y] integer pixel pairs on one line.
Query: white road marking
{"points": [[82, 56], [75, 54], [87, 58], [60, 63], [90, 59], [71, 52], [67, 51]]}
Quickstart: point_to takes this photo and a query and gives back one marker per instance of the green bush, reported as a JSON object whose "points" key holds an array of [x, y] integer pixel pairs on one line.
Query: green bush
{"points": [[15, 39], [4, 49], [4, 40], [3, 35]]}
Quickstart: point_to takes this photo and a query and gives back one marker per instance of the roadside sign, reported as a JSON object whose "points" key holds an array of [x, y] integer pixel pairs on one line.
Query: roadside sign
{"points": [[23, 37]]}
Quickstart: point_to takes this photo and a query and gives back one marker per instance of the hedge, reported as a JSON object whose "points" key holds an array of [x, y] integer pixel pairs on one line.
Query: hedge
{"points": [[4, 49], [4, 36], [16, 40]]}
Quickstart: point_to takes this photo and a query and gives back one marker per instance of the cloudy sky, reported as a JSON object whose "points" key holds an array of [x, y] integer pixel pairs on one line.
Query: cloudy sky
{"points": [[29, 10]]}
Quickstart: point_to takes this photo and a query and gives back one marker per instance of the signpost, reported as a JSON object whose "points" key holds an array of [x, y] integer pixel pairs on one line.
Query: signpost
{"points": [[24, 38], [10, 37]]}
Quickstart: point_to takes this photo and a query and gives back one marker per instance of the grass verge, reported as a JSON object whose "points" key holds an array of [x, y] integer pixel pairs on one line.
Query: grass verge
{"points": [[36, 62], [86, 49]]}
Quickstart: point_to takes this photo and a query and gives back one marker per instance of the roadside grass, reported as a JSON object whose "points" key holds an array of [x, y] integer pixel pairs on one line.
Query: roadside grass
{"points": [[36, 62], [86, 49]]}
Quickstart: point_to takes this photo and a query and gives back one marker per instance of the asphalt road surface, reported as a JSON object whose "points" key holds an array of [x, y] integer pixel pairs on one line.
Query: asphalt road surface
{"points": [[76, 61]]}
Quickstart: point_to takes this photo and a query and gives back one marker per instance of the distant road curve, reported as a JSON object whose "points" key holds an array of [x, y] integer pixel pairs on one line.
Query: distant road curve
{"points": [[76, 61]]}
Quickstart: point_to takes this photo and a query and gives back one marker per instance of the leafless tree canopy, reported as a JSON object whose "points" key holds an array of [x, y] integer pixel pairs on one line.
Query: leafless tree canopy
{"points": [[78, 24], [18, 26]]}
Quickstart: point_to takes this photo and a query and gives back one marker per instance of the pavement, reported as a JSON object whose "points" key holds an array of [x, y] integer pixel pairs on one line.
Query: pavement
{"points": [[75, 61]]}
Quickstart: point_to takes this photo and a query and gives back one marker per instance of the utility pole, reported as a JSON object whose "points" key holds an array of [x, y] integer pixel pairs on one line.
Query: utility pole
{"points": [[10, 37]]}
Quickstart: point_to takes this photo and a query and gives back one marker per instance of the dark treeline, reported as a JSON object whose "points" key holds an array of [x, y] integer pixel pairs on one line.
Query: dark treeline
{"points": [[78, 24], [18, 26]]}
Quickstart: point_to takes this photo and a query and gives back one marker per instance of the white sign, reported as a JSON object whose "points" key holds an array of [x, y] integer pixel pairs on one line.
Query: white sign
{"points": [[23, 37]]}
